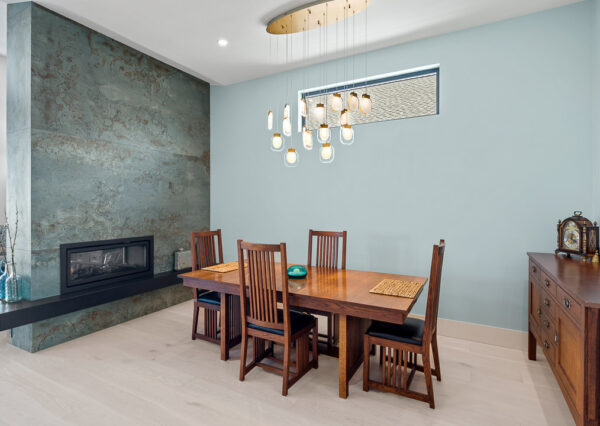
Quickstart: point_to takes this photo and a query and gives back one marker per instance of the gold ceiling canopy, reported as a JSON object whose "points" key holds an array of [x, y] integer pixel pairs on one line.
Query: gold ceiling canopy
{"points": [[314, 15]]}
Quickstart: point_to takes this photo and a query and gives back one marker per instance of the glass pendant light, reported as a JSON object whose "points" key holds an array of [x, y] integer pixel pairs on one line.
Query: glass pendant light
{"points": [[307, 139], [336, 102], [324, 134], [326, 153], [270, 120], [286, 112], [277, 142], [302, 107], [353, 101], [366, 104], [346, 134], [291, 158], [287, 127], [320, 112], [344, 117]]}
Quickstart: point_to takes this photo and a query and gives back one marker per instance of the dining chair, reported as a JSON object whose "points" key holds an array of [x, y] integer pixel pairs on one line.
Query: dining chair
{"points": [[400, 344], [226, 328], [327, 256], [264, 321]]}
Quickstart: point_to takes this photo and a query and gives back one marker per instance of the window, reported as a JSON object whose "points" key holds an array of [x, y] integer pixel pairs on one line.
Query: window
{"points": [[407, 94]]}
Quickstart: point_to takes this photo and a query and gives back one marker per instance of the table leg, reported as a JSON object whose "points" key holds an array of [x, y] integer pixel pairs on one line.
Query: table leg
{"points": [[351, 333], [224, 327]]}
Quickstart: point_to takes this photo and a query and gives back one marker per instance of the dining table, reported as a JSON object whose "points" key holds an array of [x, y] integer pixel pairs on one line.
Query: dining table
{"points": [[344, 292]]}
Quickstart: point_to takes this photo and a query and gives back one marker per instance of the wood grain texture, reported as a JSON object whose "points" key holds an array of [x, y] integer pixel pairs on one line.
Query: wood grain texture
{"points": [[339, 291], [563, 319]]}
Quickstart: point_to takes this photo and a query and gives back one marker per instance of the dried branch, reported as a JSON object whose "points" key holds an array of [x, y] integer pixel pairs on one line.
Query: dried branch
{"points": [[12, 238]]}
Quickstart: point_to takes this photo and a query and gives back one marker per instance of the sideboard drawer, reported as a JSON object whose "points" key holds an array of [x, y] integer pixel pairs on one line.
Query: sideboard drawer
{"points": [[534, 271], [570, 305], [548, 306], [535, 310], [548, 284]]}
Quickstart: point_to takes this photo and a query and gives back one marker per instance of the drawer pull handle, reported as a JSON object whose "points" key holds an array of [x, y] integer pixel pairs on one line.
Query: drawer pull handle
{"points": [[547, 283], [547, 302], [546, 345], [533, 269], [556, 338], [567, 303], [546, 323]]}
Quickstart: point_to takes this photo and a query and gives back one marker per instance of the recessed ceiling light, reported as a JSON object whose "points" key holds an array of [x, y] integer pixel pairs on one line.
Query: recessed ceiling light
{"points": [[223, 42]]}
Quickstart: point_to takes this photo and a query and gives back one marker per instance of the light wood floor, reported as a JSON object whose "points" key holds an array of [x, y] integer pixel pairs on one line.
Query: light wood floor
{"points": [[148, 371]]}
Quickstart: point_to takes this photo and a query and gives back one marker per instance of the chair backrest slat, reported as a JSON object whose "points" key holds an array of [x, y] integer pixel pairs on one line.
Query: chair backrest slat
{"points": [[327, 248], [259, 277], [204, 250], [433, 295]]}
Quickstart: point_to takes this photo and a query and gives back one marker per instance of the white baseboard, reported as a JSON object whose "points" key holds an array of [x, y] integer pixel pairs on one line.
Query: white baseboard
{"points": [[512, 339]]}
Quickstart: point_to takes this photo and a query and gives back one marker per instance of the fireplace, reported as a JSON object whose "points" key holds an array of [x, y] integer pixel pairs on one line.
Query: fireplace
{"points": [[97, 263]]}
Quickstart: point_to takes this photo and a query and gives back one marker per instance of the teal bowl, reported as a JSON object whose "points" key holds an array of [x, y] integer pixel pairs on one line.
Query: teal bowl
{"points": [[296, 271]]}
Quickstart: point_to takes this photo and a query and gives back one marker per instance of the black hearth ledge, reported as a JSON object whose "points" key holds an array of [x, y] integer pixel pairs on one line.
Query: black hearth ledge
{"points": [[29, 311]]}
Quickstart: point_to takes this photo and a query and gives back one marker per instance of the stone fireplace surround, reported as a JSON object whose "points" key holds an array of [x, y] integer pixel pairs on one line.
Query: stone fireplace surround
{"points": [[103, 142]]}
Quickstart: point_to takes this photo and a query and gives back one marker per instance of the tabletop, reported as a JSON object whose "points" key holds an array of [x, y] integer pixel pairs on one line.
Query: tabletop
{"points": [[343, 291]]}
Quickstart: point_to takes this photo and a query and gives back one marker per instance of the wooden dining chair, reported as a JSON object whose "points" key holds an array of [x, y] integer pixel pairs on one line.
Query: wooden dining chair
{"points": [[400, 344], [225, 328], [264, 321], [327, 256]]}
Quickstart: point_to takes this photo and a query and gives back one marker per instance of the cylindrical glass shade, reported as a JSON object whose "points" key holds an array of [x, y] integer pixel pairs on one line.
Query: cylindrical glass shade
{"points": [[326, 153], [344, 117], [366, 104], [286, 112], [324, 134], [291, 158], [353, 101], [302, 107], [277, 142], [287, 127], [320, 112], [307, 139], [346, 134], [270, 120], [336, 102]]}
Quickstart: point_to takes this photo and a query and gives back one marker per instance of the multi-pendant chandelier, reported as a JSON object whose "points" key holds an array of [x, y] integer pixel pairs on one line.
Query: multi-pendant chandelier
{"points": [[317, 16]]}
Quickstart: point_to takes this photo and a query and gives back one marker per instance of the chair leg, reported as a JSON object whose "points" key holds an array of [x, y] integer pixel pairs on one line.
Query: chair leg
{"points": [[427, 372], [436, 357], [366, 362], [286, 367], [330, 333], [315, 345], [243, 355], [195, 323]]}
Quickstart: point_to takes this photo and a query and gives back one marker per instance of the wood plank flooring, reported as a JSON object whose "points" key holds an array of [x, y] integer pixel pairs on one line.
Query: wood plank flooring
{"points": [[149, 371]]}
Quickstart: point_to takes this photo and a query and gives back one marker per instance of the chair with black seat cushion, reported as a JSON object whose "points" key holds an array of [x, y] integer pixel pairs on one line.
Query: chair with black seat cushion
{"points": [[264, 321], [328, 255], [221, 312], [400, 344]]}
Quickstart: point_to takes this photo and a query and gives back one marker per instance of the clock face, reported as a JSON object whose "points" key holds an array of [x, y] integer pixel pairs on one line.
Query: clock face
{"points": [[571, 236]]}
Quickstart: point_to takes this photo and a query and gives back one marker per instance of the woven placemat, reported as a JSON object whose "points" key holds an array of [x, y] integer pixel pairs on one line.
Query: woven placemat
{"points": [[222, 267], [398, 288]]}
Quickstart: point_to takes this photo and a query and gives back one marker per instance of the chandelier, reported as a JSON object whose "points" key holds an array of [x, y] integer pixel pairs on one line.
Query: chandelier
{"points": [[314, 18]]}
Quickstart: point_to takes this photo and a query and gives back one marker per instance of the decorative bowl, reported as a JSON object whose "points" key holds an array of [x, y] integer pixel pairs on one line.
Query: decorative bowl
{"points": [[296, 271]]}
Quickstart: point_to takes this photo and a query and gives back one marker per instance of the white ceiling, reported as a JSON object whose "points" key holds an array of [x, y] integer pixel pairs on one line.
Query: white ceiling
{"points": [[184, 33]]}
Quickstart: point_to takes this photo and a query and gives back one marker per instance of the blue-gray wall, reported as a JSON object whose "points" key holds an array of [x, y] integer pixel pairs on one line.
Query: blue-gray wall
{"points": [[507, 157], [596, 104], [107, 142]]}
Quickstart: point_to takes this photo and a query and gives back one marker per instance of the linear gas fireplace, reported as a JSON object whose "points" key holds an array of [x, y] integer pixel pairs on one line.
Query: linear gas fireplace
{"points": [[98, 263]]}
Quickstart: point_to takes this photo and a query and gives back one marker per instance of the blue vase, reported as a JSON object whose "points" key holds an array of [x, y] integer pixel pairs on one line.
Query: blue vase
{"points": [[3, 277], [12, 289]]}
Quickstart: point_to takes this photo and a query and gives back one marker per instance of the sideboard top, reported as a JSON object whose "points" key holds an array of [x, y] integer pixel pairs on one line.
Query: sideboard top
{"points": [[580, 280]]}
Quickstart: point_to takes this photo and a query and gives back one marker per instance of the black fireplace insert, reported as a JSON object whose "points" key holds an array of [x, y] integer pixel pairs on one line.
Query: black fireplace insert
{"points": [[97, 263]]}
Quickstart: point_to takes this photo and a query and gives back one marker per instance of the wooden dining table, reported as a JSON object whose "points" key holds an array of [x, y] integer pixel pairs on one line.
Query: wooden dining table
{"points": [[344, 292]]}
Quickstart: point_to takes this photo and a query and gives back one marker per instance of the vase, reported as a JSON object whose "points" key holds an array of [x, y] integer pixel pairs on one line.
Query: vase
{"points": [[3, 276], [12, 286]]}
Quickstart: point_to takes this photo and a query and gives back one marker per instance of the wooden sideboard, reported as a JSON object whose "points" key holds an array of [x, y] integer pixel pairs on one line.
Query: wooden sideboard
{"points": [[564, 315]]}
